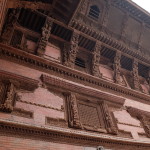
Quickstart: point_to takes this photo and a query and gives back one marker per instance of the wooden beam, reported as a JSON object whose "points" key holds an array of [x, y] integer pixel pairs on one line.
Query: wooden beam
{"points": [[29, 5]]}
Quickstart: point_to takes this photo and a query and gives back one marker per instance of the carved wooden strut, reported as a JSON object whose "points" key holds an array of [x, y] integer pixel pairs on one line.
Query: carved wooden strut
{"points": [[46, 31], [136, 81], [70, 52], [117, 67], [96, 60]]}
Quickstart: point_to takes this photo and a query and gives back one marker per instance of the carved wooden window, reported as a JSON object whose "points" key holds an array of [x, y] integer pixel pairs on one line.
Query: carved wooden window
{"points": [[80, 62], [94, 12], [89, 115]]}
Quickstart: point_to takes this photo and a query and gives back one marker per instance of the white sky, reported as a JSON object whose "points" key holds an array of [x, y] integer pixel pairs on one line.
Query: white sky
{"points": [[144, 4]]}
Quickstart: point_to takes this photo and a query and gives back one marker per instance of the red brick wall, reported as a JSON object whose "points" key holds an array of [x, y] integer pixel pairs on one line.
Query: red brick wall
{"points": [[17, 143]]}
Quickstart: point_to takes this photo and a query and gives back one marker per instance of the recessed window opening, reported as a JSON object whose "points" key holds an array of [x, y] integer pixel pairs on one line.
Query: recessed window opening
{"points": [[79, 62], [94, 12]]}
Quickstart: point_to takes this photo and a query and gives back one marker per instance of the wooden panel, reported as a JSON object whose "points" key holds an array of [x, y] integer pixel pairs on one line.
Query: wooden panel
{"points": [[133, 30], [115, 20]]}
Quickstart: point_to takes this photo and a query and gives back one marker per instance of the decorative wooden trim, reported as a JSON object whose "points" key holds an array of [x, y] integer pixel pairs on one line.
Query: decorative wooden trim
{"points": [[137, 112], [23, 82], [110, 41], [117, 67], [109, 123], [70, 51], [133, 9], [68, 135], [48, 80], [136, 81], [72, 111], [32, 61], [29, 5]]}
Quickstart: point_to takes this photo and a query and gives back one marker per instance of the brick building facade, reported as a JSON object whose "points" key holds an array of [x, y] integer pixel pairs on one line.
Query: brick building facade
{"points": [[74, 75]]}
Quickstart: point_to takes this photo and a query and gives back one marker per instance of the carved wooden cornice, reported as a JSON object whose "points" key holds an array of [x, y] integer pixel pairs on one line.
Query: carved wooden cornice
{"points": [[133, 9], [48, 80], [68, 135], [33, 61], [29, 5], [23, 82], [137, 112], [109, 40]]}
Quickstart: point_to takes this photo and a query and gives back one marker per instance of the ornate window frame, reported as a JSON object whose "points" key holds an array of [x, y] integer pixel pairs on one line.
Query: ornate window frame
{"points": [[74, 118]]}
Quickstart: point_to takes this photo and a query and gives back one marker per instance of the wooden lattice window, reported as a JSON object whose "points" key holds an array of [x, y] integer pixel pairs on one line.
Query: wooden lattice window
{"points": [[88, 115], [94, 12]]}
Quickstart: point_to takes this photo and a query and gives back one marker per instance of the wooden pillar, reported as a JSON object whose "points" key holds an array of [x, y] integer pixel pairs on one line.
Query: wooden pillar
{"points": [[3, 8], [117, 67], [46, 31], [70, 51], [136, 82], [96, 60]]}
